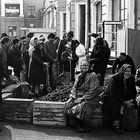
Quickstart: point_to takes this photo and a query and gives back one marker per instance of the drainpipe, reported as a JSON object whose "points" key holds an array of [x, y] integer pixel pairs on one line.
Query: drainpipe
{"points": [[88, 26]]}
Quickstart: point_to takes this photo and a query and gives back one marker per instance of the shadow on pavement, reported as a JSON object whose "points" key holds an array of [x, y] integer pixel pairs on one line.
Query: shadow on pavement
{"points": [[5, 134], [98, 133]]}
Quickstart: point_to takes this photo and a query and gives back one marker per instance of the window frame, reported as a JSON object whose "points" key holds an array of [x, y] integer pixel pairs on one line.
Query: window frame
{"points": [[31, 11]]}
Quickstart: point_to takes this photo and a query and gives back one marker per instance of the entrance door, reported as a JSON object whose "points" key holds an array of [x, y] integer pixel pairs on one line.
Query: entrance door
{"points": [[82, 24]]}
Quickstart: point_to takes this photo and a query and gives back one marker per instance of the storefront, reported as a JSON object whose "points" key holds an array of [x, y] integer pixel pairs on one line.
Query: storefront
{"points": [[12, 18]]}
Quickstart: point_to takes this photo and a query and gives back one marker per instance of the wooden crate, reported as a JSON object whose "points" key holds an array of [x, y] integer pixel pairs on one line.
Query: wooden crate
{"points": [[9, 89], [18, 109], [96, 119], [7, 95], [19, 90], [48, 113], [51, 113]]}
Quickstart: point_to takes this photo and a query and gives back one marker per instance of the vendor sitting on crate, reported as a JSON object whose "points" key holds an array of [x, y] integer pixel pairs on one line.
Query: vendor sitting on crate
{"points": [[122, 94], [69, 60], [84, 98]]}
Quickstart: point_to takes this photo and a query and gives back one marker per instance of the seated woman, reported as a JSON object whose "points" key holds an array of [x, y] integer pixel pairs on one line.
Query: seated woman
{"points": [[84, 98], [123, 92]]}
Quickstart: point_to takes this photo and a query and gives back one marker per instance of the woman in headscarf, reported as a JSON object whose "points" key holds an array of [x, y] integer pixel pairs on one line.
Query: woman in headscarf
{"points": [[84, 98], [32, 44], [123, 92], [37, 71]]}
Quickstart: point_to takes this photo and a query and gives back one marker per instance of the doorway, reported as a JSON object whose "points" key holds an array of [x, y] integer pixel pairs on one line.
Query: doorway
{"points": [[82, 24]]}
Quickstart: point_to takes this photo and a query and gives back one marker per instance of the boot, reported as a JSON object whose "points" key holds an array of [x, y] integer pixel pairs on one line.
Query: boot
{"points": [[116, 127], [85, 128]]}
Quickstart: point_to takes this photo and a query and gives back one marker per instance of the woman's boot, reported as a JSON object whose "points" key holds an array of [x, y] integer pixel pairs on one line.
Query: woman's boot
{"points": [[116, 127], [86, 126]]}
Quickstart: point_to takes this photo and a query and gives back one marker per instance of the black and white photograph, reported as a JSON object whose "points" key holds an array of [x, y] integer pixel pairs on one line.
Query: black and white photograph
{"points": [[69, 70]]}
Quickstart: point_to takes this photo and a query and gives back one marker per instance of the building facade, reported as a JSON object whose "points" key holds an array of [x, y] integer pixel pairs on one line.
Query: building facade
{"points": [[54, 16], [107, 18], [18, 14]]}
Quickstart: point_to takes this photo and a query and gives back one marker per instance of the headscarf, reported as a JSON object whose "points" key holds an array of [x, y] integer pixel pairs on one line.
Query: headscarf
{"points": [[82, 76], [124, 67], [31, 46], [32, 41]]}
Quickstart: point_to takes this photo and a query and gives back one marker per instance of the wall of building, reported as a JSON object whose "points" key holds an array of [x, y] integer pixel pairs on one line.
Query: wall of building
{"points": [[11, 19], [36, 22], [61, 8], [20, 20], [137, 9]]}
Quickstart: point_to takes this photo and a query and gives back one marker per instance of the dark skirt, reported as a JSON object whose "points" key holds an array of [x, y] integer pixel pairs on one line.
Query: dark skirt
{"points": [[37, 76]]}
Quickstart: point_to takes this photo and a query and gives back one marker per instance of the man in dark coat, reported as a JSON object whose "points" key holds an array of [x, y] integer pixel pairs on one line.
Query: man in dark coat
{"points": [[15, 57], [3, 62], [100, 57], [62, 47], [51, 57], [123, 59]]}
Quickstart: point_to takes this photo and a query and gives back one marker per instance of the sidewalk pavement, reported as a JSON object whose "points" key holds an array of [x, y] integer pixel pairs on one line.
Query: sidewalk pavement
{"points": [[16, 131]]}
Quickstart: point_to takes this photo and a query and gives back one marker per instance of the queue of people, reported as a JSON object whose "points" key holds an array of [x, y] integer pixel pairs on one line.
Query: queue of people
{"points": [[40, 62], [28, 56]]}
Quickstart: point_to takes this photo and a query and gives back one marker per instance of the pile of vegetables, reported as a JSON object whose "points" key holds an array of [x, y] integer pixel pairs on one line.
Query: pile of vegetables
{"points": [[61, 94]]}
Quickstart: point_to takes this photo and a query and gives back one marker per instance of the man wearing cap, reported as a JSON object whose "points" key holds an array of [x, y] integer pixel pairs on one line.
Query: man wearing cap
{"points": [[123, 59], [62, 47]]}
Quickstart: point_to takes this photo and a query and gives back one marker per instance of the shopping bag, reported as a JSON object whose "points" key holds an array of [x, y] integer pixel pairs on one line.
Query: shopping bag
{"points": [[130, 119]]}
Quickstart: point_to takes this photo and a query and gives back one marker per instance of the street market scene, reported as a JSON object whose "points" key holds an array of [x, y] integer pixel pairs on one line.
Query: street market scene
{"points": [[69, 69]]}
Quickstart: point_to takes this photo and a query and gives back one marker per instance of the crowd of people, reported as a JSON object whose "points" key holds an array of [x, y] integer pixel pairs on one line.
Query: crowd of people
{"points": [[40, 62]]}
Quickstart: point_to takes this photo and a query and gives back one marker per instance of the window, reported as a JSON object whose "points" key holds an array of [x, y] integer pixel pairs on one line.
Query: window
{"points": [[31, 11], [99, 18], [123, 12], [64, 22], [12, 10], [12, 30], [101, 15], [104, 10]]}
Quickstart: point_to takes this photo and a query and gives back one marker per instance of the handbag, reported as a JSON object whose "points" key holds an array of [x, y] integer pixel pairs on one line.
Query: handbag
{"points": [[130, 119]]}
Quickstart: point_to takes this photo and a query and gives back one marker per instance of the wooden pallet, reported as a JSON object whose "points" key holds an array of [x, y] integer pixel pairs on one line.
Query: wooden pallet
{"points": [[18, 109]]}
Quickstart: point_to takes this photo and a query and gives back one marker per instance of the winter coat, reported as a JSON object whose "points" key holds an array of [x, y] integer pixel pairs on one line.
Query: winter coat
{"points": [[62, 48], [118, 88], [118, 64], [100, 58], [3, 62], [50, 51], [37, 70], [15, 57], [90, 94]]}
